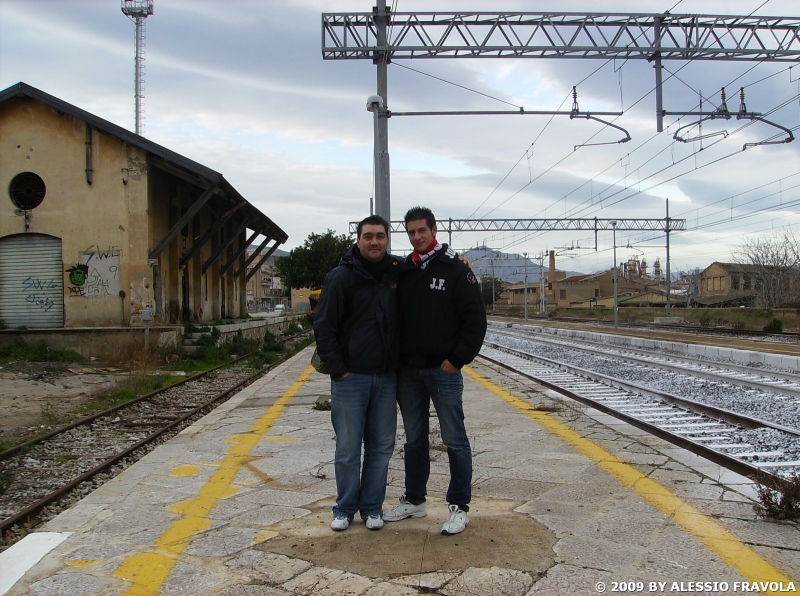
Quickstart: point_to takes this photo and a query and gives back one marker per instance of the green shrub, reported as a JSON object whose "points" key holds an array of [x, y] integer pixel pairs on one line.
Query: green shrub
{"points": [[271, 343], [774, 326]]}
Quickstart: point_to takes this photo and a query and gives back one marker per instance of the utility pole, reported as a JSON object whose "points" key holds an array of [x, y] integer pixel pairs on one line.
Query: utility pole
{"points": [[669, 306], [616, 303], [542, 286], [526, 284], [491, 261]]}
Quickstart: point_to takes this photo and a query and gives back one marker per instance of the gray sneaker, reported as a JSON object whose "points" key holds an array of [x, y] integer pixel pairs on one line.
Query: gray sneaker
{"points": [[374, 522], [457, 521], [404, 510], [340, 523]]}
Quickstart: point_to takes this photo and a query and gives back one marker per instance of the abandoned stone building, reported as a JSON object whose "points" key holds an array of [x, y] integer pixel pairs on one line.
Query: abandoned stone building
{"points": [[104, 228]]}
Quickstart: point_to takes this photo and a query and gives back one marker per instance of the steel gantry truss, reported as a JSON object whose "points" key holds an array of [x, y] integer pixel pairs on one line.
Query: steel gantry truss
{"points": [[383, 36], [545, 225], [562, 35]]}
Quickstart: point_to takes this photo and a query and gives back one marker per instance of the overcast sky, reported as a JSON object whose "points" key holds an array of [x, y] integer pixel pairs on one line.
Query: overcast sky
{"points": [[241, 87]]}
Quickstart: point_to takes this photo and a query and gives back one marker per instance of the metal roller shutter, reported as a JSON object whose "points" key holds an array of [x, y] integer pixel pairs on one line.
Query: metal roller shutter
{"points": [[31, 281]]}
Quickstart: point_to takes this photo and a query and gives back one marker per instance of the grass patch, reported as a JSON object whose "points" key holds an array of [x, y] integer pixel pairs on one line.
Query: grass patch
{"points": [[37, 352]]}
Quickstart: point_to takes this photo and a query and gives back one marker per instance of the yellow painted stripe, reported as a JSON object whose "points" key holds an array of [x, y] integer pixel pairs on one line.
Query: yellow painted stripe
{"points": [[147, 572], [720, 541]]}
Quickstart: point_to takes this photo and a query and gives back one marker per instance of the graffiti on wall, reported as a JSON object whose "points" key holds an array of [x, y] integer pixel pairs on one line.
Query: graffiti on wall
{"points": [[96, 274], [35, 290]]}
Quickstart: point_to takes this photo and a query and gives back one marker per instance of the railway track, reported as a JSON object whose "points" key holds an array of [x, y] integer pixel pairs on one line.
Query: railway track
{"points": [[731, 436], [761, 379], [50, 473], [784, 337]]}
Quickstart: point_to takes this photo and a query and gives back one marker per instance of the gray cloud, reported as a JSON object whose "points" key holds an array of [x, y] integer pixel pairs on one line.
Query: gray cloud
{"points": [[241, 87]]}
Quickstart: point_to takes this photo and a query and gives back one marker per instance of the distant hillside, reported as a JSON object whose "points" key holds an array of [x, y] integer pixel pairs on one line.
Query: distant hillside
{"points": [[278, 252], [509, 267]]}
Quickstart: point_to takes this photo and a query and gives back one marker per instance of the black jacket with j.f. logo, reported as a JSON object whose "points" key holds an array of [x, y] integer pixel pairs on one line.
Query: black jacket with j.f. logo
{"points": [[441, 312]]}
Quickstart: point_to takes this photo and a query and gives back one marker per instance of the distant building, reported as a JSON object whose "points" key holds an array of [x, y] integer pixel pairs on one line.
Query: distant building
{"points": [[583, 290], [104, 228], [535, 289], [728, 284], [300, 299], [264, 288]]}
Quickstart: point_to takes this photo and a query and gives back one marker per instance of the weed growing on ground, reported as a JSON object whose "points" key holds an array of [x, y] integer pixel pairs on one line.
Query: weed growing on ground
{"points": [[774, 326], [37, 352], [6, 479], [780, 497]]}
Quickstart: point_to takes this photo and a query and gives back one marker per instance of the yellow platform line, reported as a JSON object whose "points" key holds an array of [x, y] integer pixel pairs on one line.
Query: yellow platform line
{"points": [[148, 572], [717, 539]]}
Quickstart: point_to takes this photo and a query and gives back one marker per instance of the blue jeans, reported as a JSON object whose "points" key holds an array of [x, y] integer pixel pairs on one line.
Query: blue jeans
{"points": [[416, 387], [363, 410]]}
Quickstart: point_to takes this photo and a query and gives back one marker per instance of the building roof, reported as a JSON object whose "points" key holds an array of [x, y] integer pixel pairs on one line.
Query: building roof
{"points": [[574, 278], [211, 178]]}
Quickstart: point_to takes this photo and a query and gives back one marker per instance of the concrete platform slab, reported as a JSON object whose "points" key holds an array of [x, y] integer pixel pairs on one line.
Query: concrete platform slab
{"points": [[564, 498]]}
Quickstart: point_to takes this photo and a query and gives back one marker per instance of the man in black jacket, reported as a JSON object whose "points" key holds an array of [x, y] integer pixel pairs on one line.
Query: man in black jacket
{"points": [[356, 332], [442, 325]]}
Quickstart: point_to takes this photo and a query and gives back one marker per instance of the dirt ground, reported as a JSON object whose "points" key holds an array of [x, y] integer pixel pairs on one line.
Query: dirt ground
{"points": [[35, 394]]}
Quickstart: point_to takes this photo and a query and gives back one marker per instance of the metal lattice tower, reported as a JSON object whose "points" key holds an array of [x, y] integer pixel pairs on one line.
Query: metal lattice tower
{"points": [[138, 11]]}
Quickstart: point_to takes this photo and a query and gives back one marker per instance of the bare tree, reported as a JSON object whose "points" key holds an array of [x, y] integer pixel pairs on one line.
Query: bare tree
{"points": [[775, 266]]}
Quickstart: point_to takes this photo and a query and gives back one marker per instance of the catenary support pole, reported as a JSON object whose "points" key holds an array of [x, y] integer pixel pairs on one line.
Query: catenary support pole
{"points": [[659, 68], [381, 60], [616, 278]]}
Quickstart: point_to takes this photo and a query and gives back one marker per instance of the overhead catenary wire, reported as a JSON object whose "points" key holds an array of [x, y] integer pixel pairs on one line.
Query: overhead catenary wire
{"points": [[640, 191], [531, 180]]}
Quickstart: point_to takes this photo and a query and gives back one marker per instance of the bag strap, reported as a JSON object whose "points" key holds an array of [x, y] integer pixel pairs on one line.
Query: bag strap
{"points": [[363, 314]]}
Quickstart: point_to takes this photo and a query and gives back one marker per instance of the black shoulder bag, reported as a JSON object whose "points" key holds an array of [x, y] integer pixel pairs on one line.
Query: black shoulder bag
{"points": [[317, 362]]}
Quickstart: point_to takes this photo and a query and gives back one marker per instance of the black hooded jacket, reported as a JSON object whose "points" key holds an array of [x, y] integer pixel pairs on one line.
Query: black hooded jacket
{"points": [[371, 347], [441, 312]]}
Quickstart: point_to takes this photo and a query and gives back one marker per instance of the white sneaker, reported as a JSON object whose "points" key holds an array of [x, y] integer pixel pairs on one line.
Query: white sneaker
{"points": [[404, 510], [457, 521], [374, 522], [340, 523]]}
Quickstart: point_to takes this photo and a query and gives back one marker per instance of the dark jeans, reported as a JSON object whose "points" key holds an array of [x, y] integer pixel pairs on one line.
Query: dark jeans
{"points": [[416, 387], [363, 410]]}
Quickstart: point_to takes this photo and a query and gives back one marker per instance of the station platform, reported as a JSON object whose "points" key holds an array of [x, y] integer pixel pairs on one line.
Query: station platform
{"points": [[566, 500]]}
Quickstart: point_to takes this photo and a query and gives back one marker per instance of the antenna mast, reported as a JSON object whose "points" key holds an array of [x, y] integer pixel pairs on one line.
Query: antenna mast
{"points": [[138, 11]]}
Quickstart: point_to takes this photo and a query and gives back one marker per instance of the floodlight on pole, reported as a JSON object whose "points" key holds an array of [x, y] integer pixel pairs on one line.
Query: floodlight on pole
{"points": [[138, 11]]}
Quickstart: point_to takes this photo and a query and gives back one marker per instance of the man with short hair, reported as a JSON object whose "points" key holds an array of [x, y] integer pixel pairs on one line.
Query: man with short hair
{"points": [[442, 326], [356, 332]]}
